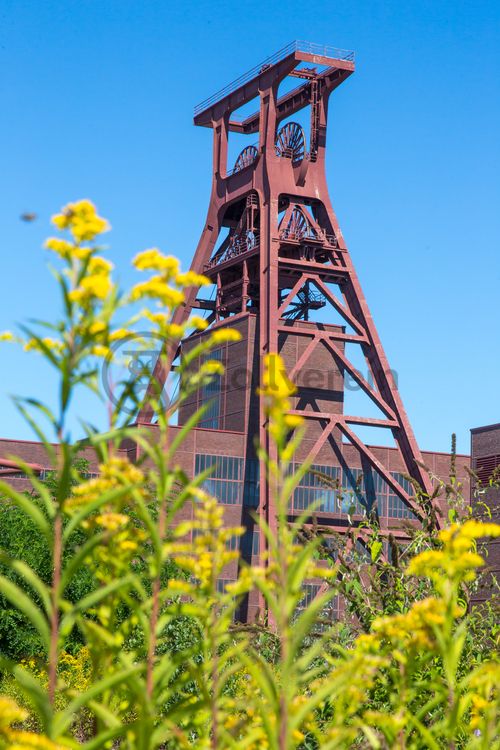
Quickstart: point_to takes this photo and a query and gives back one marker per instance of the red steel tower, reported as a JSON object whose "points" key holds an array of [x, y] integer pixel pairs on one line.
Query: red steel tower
{"points": [[284, 261]]}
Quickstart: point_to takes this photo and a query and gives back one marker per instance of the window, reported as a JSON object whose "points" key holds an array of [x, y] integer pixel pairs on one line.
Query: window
{"points": [[211, 394], [485, 467], [251, 485], [354, 494], [318, 490], [330, 612], [372, 488], [225, 480], [223, 583], [311, 590], [396, 507], [233, 543], [250, 543], [256, 542]]}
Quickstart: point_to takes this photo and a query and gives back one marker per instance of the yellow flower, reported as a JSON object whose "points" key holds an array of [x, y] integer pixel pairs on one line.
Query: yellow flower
{"points": [[119, 334], [6, 336], [161, 319], [97, 327], [275, 381], [154, 260], [195, 321], [99, 350], [50, 343], [82, 220], [63, 248], [458, 558], [82, 253], [96, 286], [225, 334], [156, 288], [99, 266], [112, 521], [15, 739], [10, 712], [175, 331], [190, 278], [470, 530], [212, 367]]}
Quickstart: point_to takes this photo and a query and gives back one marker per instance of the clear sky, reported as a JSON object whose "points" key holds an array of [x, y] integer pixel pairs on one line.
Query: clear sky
{"points": [[97, 99]]}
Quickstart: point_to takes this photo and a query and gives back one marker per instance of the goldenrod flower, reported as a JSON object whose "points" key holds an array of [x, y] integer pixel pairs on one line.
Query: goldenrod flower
{"points": [[154, 260], [82, 220], [212, 367], [156, 288], [99, 266], [458, 559], [14, 739], [190, 278], [275, 382], [63, 248], [119, 334], [223, 335], [196, 321], [97, 327]]}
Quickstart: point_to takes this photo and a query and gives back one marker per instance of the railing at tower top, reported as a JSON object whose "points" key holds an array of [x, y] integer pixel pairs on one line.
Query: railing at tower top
{"points": [[297, 46]]}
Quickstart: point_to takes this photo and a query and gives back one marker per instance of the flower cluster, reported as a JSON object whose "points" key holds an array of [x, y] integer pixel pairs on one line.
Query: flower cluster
{"points": [[82, 220], [115, 473], [16, 739], [277, 390], [412, 630], [484, 694], [166, 286], [122, 538], [205, 557], [458, 559]]}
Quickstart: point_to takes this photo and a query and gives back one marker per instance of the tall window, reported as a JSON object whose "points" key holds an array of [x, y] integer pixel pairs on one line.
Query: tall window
{"points": [[251, 488], [330, 612], [356, 497], [397, 508], [211, 394], [226, 477], [314, 489]]}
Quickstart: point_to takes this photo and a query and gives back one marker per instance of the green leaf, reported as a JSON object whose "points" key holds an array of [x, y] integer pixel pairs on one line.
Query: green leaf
{"points": [[24, 604], [31, 578], [375, 550]]}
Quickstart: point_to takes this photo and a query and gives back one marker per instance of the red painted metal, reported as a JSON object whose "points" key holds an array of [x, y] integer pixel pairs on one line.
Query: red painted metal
{"points": [[267, 262]]}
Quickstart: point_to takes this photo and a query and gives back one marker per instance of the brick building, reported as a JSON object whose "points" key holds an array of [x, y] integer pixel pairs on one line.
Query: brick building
{"points": [[485, 461]]}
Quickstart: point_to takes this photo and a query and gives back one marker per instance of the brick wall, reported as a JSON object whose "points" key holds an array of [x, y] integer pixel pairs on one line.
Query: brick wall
{"points": [[485, 456]]}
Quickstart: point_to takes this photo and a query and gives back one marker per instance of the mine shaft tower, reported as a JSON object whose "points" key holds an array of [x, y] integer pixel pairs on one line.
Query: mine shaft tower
{"points": [[284, 257]]}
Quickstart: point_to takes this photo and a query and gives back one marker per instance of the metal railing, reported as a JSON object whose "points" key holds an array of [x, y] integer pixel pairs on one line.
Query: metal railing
{"points": [[239, 246], [297, 46]]}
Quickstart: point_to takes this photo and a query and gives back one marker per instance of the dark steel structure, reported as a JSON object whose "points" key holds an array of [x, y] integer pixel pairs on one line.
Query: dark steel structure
{"points": [[284, 258]]}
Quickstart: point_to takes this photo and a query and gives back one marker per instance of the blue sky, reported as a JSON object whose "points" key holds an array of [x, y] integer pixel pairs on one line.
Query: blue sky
{"points": [[97, 101]]}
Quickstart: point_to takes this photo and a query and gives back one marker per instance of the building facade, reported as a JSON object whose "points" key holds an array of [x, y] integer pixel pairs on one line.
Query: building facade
{"points": [[485, 462]]}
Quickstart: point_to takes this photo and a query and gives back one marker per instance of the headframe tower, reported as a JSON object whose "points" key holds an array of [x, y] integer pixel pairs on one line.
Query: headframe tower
{"points": [[284, 257]]}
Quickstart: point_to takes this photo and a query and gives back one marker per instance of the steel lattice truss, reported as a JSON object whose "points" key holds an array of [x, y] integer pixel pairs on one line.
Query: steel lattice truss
{"points": [[285, 255]]}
